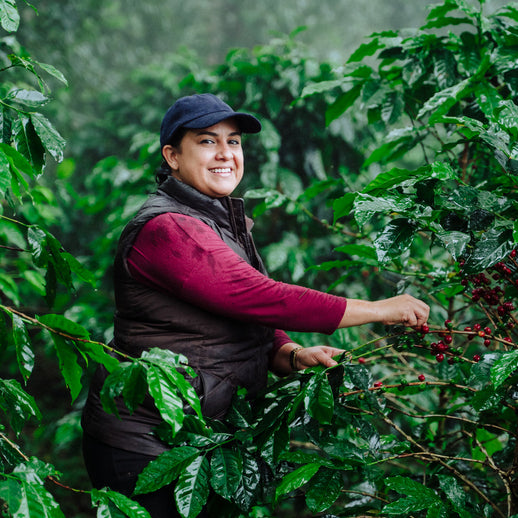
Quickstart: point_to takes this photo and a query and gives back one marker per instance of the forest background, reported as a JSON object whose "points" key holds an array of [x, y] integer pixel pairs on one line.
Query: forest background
{"points": [[323, 146]]}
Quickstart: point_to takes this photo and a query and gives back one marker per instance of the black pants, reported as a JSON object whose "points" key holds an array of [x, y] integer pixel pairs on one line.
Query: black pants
{"points": [[119, 469]]}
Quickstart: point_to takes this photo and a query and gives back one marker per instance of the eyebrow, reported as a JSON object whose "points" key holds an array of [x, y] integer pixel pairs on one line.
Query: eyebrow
{"points": [[214, 134]]}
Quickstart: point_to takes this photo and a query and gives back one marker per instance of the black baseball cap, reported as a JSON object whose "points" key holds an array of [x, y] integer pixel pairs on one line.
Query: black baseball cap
{"points": [[202, 111]]}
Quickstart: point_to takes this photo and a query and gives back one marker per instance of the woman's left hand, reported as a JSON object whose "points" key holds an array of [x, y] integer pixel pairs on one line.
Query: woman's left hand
{"points": [[317, 355]]}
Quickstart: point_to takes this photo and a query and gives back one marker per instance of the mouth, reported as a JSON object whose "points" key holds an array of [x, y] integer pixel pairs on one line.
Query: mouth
{"points": [[221, 171]]}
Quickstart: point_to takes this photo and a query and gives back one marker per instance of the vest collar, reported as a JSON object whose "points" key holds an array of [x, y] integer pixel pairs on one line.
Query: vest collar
{"points": [[219, 209]]}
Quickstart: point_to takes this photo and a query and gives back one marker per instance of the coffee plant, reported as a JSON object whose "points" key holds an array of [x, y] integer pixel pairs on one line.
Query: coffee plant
{"points": [[411, 422]]}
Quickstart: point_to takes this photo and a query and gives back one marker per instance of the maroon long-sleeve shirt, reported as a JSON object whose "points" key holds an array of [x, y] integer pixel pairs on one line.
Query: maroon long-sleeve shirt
{"points": [[192, 262]]}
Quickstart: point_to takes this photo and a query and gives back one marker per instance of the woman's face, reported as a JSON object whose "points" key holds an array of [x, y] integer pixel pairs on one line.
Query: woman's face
{"points": [[209, 159]]}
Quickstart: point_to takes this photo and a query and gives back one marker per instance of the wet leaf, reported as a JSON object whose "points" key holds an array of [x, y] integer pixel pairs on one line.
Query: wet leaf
{"points": [[192, 489], [165, 469]]}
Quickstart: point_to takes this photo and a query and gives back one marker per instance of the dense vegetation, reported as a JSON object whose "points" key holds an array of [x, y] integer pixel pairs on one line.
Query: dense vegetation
{"points": [[394, 172]]}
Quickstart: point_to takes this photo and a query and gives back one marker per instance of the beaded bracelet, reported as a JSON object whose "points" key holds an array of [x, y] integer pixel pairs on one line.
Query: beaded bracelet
{"points": [[293, 355]]}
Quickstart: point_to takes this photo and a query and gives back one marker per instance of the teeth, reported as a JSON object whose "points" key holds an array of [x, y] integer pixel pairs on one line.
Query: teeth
{"points": [[221, 170]]}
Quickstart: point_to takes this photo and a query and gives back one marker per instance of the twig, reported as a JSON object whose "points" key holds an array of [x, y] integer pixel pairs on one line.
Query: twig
{"points": [[439, 459]]}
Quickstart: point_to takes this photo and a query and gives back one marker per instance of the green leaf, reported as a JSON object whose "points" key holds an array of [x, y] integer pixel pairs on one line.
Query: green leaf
{"points": [[63, 325], [395, 239], [441, 103], [29, 144], [55, 249], [192, 488], [11, 494], [31, 98], [324, 489], [82, 272], [392, 149], [36, 238], [343, 103], [366, 206], [113, 386], [245, 494], [17, 404], [362, 251], [9, 17], [50, 138], [366, 49], [53, 72], [24, 352], [10, 288], [296, 479], [396, 176], [392, 107], [104, 500], [70, 368], [226, 469], [389, 179], [170, 362], [186, 390], [455, 493], [97, 353], [418, 497], [322, 86], [135, 385], [5, 173], [165, 358], [454, 242], [503, 367], [35, 501], [343, 206], [495, 245], [166, 468], [319, 400], [167, 400]]}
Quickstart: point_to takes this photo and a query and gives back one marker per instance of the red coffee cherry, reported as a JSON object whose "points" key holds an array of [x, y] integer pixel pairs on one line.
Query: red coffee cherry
{"points": [[361, 360], [439, 357], [487, 342], [378, 384], [477, 327], [476, 357], [421, 377]]}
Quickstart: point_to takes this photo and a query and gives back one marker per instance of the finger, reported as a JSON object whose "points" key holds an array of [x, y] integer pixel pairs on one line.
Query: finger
{"points": [[327, 361]]}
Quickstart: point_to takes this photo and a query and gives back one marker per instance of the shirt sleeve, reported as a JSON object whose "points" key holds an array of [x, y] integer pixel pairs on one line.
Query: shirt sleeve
{"points": [[183, 256]]}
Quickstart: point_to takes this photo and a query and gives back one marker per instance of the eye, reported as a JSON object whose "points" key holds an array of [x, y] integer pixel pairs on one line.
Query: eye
{"points": [[207, 141], [234, 142]]}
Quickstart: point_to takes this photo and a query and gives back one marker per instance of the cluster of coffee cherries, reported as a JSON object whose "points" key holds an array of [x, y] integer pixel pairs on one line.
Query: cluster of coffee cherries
{"points": [[492, 290], [443, 348]]}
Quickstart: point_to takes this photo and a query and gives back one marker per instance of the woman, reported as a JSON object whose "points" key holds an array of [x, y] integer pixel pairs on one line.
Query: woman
{"points": [[188, 278]]}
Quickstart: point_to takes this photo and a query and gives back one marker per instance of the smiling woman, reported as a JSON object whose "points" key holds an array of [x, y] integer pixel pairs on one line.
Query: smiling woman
{"points": [[188, 278], [209, 159]]}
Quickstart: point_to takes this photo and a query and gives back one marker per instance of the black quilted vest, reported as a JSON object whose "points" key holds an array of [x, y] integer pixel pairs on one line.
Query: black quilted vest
{"points": [[225, 353]]}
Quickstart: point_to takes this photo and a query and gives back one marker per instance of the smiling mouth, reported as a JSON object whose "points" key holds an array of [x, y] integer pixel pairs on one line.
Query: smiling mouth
{"points": [[224, 171]]}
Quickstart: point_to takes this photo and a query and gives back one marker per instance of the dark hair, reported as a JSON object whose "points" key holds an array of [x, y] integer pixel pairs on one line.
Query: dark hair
{"points": [[175, 141]]}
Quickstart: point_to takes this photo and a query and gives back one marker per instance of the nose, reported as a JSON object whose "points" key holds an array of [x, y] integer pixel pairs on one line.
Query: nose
{"points": [[224, 153]]}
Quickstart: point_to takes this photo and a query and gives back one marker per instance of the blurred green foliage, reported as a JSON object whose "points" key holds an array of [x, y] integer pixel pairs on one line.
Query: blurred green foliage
{"points": [[392, 171]]}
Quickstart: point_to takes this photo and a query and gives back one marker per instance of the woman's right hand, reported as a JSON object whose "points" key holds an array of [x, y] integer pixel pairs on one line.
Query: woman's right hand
{"points": [[402, 309]]}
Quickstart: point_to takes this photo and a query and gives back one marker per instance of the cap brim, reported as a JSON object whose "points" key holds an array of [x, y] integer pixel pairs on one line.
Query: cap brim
{"points": [[247, 123]]}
